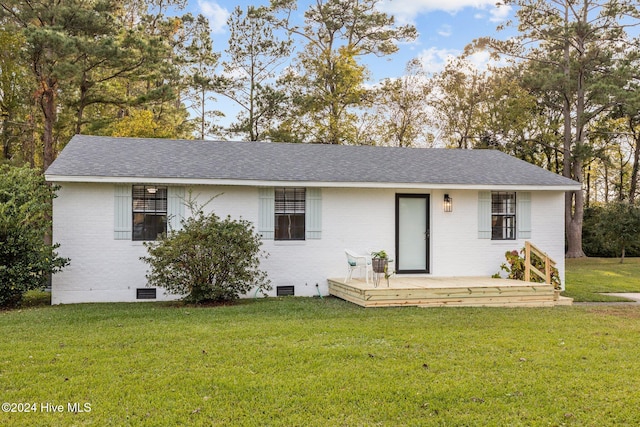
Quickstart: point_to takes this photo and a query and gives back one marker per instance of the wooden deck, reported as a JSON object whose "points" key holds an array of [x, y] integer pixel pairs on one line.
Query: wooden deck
{"points": [[446, 291]]}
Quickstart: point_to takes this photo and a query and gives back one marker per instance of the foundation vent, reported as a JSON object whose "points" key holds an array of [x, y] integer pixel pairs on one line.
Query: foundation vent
{"points": [[146, 293], [283, 291]]}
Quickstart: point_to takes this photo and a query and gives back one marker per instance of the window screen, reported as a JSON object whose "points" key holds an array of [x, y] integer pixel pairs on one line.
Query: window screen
{"points": [[149, 212], [289, 213], [503, 216]]}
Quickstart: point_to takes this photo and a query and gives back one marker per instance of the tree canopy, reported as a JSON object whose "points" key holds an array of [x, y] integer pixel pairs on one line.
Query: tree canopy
{"points": [[564, 95]]}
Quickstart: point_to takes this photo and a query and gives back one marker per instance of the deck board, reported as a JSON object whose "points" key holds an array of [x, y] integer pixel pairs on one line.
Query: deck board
{"points": [[446, 291]]}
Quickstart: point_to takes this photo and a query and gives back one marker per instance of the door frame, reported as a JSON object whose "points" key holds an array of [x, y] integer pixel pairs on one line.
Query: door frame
{"points": [[427, 199]]}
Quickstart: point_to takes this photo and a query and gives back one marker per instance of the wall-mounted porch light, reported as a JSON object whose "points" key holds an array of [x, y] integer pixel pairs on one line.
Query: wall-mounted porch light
{"points": [[447, 204]]}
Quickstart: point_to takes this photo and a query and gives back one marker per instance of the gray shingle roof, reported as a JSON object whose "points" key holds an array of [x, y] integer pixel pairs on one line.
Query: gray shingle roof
{"points": [[96, 156]]}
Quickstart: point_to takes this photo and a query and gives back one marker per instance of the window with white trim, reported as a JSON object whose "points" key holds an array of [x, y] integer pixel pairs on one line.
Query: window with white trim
{"points": [[149, 212], [503, 215]]}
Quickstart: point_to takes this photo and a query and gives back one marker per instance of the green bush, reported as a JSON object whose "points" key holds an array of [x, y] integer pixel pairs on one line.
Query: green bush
{"points": [[25, 220], [609, 228], [209, 260], [516, 268]]}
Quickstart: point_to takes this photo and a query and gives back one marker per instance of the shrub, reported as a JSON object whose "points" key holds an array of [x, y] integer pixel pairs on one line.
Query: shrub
{"points": [[209, 260], [516, 268], [620, 225], [611, 230], [25, 220]]}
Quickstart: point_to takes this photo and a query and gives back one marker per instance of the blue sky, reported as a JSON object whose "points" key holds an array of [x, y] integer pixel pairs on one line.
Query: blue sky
{"points": [[445, 27]]}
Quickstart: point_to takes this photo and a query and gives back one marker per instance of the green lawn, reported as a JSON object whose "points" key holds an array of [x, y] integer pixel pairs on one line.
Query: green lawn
{"points": [[306, 362], [586, 278], [313, 362]]}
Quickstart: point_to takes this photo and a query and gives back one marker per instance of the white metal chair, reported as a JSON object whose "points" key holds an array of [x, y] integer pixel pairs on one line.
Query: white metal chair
{"points": [[358, 261]]}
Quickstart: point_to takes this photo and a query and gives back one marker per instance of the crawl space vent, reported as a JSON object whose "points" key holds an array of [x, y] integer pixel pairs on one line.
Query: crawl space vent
{"points": [[283, 291], [146, 293]]}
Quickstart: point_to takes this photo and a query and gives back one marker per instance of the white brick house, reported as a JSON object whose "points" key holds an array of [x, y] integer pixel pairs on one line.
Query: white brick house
{"points": [[309, 202]]}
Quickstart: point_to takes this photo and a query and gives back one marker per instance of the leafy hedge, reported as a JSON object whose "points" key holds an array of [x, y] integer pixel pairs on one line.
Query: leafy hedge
{"points": [[26, 260]]}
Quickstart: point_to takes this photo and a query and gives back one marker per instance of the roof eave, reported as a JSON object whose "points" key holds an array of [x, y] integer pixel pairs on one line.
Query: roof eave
{"points": [[324, 184]]}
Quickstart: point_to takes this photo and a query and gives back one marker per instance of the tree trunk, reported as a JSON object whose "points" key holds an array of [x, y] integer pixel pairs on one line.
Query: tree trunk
{"points": [[588, 189], [253, 135], [572, 167], [85, 85], [606, 181], [574, 200], [573, 223], [203, 111], [7, 135], [48, 106], [636, 158]]}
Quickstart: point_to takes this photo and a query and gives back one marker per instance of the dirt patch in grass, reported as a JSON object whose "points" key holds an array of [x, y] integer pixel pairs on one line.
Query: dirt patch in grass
{"points": [[627, 311], [204, 304]]}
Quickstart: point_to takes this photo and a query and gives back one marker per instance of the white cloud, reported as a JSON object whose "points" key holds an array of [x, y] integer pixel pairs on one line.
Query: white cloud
{"points": [[216, 14], [433, 59], [406, 10], [445, 30], [481, 60], [500, 13]]}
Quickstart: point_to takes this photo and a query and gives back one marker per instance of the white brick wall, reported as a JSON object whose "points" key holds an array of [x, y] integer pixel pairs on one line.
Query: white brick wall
{"points": [[103, 269], [456, 250]]}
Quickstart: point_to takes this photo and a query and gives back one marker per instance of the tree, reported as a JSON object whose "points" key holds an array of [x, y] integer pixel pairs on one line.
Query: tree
{"points": [[159, 87], [55, 33], [140, 124], [326, 95], [330, 82], [25, 212], [456, 103], [80, 65], [402, 108], [200, 62], [574, 45], [255, 53], [103, 64], [209, 259], [14, 90], [131, 71], [620, 222], [627, 110]]}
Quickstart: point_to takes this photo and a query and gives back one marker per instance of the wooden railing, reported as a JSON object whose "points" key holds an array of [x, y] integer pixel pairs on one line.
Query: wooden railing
{"points": [[529, 268]]}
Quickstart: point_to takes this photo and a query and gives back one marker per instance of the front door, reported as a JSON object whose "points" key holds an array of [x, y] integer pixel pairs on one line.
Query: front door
{"points": [[412, 233]]}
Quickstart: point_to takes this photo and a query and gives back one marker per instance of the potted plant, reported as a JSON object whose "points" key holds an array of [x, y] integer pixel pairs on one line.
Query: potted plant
{"points": [[380, 261], [380, 264]]}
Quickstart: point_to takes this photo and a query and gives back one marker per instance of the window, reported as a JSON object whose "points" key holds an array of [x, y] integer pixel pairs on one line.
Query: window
{"points": [[503, 216], [289, 213], [149, 212]]}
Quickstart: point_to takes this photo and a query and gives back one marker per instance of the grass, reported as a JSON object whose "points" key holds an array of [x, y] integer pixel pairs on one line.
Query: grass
{"points": [[587, 278], [36, 298], [313, 362], [319, 362]]}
